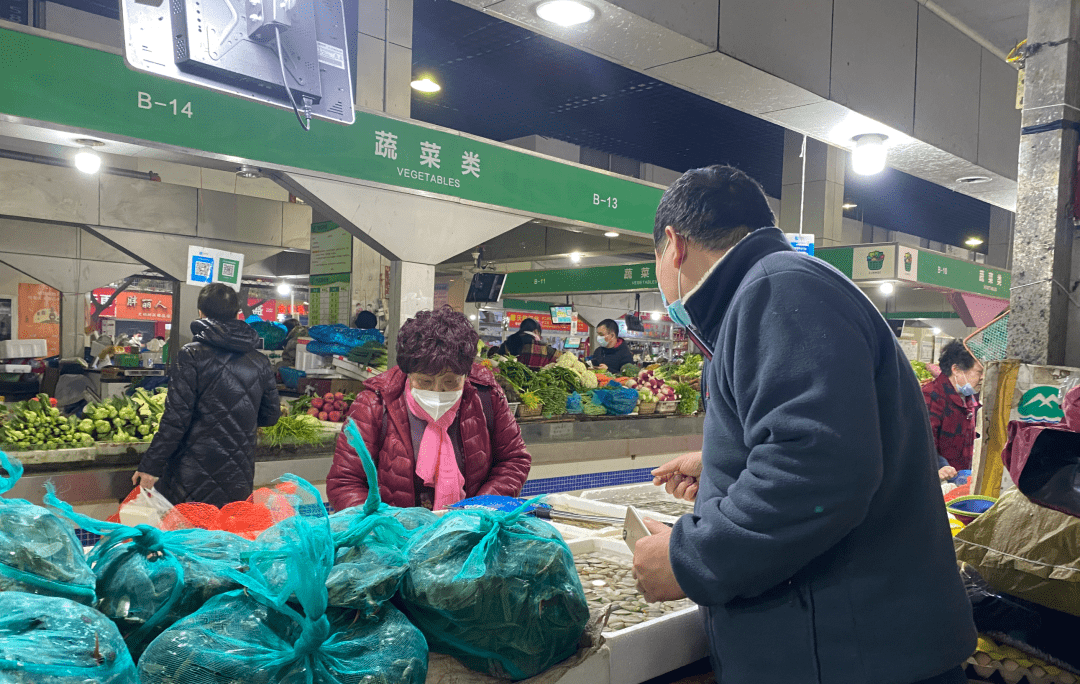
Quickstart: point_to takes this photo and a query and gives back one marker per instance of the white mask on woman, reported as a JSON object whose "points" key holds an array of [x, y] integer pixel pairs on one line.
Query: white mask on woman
{"points": [[436, 404]]}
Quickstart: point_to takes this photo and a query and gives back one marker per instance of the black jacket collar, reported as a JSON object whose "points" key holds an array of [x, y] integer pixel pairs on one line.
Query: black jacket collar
{"points": [[710, 302]]}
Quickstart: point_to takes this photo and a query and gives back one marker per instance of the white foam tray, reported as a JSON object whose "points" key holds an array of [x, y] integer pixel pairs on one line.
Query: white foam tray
{"points": [[597, 495], [654, 647], [578, 504]]}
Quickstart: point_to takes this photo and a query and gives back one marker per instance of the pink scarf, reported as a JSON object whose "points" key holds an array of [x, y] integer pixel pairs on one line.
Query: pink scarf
{"points": [[436, 464]]}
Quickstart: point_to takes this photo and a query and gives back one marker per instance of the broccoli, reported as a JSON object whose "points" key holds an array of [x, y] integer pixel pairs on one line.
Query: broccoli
{"points": [[101, 413], [102, 427], [127, 414], [144, 430], [86, 426]]}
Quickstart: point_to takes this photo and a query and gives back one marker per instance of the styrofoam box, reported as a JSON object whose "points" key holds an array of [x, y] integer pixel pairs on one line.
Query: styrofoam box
{"points": [[14, 368], [579, 504], [23, 349], [654, 647], [306, 361], [660, 493]]}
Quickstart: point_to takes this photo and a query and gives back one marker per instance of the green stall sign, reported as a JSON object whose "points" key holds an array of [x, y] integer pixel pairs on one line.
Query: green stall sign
{"points": [[626, 278], [69, 85]]}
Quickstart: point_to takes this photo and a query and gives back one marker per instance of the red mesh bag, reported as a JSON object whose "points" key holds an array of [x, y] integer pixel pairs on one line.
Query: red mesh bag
{"points": [[265, 507]]}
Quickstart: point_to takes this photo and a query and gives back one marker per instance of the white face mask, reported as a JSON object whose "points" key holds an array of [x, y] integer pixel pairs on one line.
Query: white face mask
{"points": [[436, 404]]}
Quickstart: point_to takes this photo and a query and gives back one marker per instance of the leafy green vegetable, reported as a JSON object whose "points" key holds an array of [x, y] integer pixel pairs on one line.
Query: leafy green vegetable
{"points": [[921, 371], [292, 430]]}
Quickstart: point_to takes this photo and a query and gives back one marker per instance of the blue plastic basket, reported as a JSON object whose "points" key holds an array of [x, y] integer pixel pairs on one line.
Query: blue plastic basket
{"points": [[290, 377]]}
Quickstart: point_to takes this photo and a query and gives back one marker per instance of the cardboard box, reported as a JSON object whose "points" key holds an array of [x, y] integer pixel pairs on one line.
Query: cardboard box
{"points": [[331, 385]]}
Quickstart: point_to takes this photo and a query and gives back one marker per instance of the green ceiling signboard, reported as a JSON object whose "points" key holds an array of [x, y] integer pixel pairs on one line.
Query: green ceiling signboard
{"points": [[626, 278], [69, 85], [895, 262]]}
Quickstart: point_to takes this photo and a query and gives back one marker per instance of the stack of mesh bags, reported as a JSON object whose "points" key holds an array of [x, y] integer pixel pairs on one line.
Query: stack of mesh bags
{"points": [[498, 591], [148, 579], [618, 400], [279, 629], [370, 540], [328, 340], [48, 632]]}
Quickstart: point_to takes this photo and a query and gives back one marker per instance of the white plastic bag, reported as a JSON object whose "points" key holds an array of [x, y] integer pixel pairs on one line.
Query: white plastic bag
{"points": [[149, 507]]}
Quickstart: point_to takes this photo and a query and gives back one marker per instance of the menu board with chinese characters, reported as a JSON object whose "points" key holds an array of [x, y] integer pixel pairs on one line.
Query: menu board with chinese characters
{"points": [[330, 300]]}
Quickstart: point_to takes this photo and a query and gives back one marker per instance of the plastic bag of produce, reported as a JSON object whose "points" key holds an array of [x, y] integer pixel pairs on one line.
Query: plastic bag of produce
{"points": [[148, 579], [259, 636], [618, 400], [39, 552], [49, 640], [574, 404], [370, 560], [498, 591]]}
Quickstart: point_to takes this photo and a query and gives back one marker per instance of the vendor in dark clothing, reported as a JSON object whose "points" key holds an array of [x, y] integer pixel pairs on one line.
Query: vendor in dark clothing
{"points": [[612, 352]]}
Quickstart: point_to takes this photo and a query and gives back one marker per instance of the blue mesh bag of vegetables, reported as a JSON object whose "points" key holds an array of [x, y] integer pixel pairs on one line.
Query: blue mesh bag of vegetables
{"points": [[278, 629], [370, 543], [498, 591], [148, 579], [50, 640], [39, 552], [618, 400]]}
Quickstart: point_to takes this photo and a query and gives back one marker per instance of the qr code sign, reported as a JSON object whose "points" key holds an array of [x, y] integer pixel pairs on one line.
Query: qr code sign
{"points": [[228, 269], [203, 268]]}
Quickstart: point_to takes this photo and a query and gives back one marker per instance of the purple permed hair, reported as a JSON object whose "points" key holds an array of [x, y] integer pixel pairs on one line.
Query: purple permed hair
{"points": [[433, 341]]}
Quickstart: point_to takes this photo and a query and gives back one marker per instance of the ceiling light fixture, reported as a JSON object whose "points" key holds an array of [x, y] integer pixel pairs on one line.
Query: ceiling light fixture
{"points": [[936, 331], [426, 85], [88, 161], [575, 257], [565, 12], [284, 289], [973, 180], [656, 315], [246, 171], [886, 289], [611, 234], [868, 157], [847, 206], [472, 317], [973, 241]]}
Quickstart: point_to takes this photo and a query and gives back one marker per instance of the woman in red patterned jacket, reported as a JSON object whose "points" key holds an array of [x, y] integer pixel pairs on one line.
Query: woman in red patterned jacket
{"points": [[438, 427], [951, 401]]}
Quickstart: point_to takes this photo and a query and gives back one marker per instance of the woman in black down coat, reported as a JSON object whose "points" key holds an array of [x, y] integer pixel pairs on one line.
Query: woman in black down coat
{"points": [[220, 393]]}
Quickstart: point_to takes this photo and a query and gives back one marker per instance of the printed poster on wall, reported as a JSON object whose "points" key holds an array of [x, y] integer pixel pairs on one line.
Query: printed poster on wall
{"points": [[331, 249], [330, 300], [39, 315], [207, 266]]}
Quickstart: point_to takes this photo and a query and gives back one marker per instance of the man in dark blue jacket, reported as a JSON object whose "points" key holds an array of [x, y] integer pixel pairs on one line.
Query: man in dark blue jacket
{"points": [[819, 549]]}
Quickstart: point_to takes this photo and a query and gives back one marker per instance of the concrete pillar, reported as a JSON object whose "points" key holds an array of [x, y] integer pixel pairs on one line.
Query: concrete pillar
{"points": [[822, 211], [369, 281], [999, 248], [384, 56], [189, 311], [72, 324], [1042, 244], [412, 289]]}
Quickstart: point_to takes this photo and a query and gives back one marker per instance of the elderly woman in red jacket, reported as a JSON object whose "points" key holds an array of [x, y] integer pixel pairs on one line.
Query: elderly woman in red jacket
{"points": [[438, 427]]}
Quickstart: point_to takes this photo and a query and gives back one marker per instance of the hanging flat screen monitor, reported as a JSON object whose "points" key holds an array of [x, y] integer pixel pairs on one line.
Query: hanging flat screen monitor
{"points": [[633, 323], [572, 343], [562, 315], [486, 288], [293, 55]]}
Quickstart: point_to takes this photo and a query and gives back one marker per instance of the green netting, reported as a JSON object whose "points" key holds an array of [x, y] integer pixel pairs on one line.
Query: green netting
{"points": [[148, 579], [39, 553], [990, 343], [277, 629], [49, 640], [498, 591]]}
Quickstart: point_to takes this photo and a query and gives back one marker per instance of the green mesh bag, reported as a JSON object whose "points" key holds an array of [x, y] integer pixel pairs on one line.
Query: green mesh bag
{"points": [[49, 640], [39, 552], [148, 579], [498, 591], [278, 630]]}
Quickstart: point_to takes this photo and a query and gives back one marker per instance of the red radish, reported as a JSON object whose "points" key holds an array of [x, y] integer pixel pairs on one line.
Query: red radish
{"points": [[313, 412], [339, 396], [340, 406], [329, 396], [335, 416], [323, 415], [317, 403]]}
